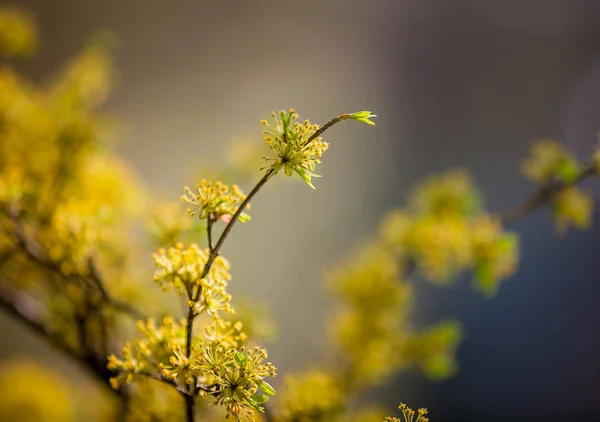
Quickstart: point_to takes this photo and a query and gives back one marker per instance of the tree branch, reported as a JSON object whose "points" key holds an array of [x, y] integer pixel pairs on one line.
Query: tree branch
{"points": [[24, 310], [542, 196]]}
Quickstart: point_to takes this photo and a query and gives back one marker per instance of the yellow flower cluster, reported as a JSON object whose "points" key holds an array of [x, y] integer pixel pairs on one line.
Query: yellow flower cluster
{"points": [[17, 33], [48, 401], [370, 329], [311, 396], [451, 193], [549, 162], [408, 415], [447, 232], [230, 374], [182, 268], [239, 376], [548, 159], [432, 349], [495, 253], [288, 139], [373, 332], [215, 200], [151, 401], [573, 207], [168, 225]]}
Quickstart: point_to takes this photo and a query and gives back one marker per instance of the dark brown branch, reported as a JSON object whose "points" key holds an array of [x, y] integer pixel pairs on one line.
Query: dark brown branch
{"points": [[17, 306], [209, 224], [544, 195], [34, 252], [234, 218], [326, 126]]}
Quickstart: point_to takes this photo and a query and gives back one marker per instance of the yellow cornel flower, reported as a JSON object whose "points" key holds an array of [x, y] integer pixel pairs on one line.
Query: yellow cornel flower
{"points": [[215, 200], [550, 162], [408, 415], [311, 396], [573, 207], [181, 268], [17, 33], [295, 151]]}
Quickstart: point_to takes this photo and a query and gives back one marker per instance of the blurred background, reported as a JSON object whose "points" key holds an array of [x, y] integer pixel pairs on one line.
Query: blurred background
{"points": [[454, 83]]}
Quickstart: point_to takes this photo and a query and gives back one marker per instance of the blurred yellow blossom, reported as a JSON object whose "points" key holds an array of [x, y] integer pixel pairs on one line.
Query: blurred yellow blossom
{"points": [[17, 33], [495, 253], [311, 396], [572, 207], [450, 193], [32, 392], [550, 159]]}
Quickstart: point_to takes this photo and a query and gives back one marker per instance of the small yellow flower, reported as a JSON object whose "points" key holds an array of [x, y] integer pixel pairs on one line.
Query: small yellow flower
{"points": [[572, 207], [289, 141], [182, 268], [408, 415], [215, 200], [312, 396]]}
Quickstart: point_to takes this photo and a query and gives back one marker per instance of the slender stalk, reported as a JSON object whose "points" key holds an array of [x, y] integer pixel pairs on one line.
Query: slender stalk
{"points": [[326, 126], [190, 395], [209, 224], [235, 218], [190, 407], [14, 305]]}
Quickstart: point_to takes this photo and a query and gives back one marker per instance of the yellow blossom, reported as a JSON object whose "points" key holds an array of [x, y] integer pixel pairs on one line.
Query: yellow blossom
{"points": [[289, 140], [182, 269], [495, 252], [548, 160], [408, 415], [215, 200], [572, 207], [452, 192], [17, 33], [313, 395], [33, 393]]}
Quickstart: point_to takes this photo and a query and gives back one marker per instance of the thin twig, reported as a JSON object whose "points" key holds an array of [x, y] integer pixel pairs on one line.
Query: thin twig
{"points": [[233, 220], [34, 252], [14, 304], [209, 224], [326, 126], [542, 196]]}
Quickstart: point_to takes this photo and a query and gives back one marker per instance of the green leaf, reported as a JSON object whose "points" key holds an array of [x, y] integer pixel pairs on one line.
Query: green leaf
{"points": [[260, 398], [240, 358], [254, 404], [363, 116], [306, 177], [266, 387], [568, 170], [244, 217]]}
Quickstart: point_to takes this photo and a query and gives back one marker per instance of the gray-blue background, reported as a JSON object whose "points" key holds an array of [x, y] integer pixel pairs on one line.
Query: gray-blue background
{"points": [[455, 82]]}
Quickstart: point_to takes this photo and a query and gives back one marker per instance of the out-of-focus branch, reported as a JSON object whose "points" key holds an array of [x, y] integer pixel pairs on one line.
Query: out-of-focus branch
{"points": [[34, 252], [543, 196], [22, 308]]}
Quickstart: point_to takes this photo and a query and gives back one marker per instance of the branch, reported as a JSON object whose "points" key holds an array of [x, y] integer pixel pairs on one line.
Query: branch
{"points": [[544, 195], [234, 218], [18, 306], [326, 126], [34, 252]]}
